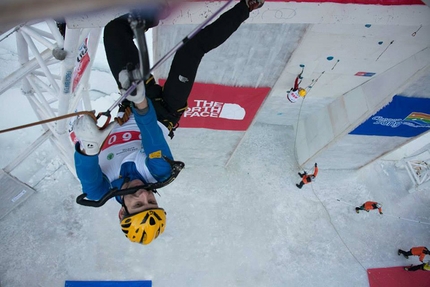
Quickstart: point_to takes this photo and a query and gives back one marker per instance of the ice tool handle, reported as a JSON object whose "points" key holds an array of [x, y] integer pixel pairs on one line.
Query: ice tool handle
{"points": [[176, 167], [137, 24]]}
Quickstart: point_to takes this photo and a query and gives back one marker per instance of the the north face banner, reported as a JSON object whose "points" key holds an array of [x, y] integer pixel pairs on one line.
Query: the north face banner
{"points": [[222, 107]]}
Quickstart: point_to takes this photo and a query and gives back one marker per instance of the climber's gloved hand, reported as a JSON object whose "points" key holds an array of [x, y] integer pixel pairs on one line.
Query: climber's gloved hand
{"points": [[89, 135], [132, 75]]}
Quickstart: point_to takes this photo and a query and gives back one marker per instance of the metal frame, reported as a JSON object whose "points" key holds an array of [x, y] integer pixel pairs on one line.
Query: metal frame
{"points": [[47, 80], [418, 168]]}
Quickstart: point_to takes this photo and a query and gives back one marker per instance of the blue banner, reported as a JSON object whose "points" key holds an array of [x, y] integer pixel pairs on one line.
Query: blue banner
{"points": [[108, 284], [402, 117]]}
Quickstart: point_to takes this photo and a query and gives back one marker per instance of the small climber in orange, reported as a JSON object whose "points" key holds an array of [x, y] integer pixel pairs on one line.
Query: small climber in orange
{"points": [[369, 205], [420, 251], [307, 178]]}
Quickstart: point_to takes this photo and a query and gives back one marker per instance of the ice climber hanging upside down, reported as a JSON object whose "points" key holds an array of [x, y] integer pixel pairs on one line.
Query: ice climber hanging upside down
{"points": [[296, 92], [135, 153]]}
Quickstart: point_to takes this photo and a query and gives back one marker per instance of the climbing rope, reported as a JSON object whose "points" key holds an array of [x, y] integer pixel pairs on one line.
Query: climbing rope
{"points": [[51, 120], [295, 137], [335, 229], [308, 90]]}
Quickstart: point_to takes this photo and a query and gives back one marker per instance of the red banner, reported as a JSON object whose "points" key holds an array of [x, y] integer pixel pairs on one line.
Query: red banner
{"points": [[222, 107], [397, 276]]}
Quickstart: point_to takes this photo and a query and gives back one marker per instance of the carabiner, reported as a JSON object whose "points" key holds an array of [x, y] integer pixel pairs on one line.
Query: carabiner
{"points": [[106, 114]]}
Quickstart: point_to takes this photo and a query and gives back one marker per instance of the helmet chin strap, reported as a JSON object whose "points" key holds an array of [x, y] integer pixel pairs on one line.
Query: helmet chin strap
{"points": [[126, 180], [123, 203]]}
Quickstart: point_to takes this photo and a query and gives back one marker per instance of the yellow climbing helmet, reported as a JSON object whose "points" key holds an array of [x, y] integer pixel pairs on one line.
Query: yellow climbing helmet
{"points": [[145, 226], [302, 92]]}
